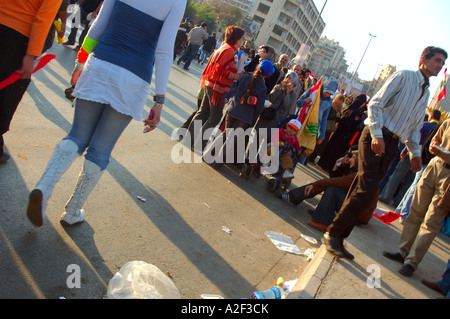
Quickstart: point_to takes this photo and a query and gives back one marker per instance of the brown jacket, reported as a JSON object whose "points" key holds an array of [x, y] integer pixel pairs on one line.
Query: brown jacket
{"points": [[346, 183]]}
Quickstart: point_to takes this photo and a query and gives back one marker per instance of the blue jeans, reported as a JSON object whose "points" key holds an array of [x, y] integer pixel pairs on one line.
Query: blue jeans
{"points": [[405, 204], [331, 202], [189, 54], [97, 127], [444, 284], [205, 56], [401, 170]]}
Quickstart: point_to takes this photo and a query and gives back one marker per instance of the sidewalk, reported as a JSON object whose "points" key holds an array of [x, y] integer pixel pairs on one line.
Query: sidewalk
{"points": [[328, 277]]}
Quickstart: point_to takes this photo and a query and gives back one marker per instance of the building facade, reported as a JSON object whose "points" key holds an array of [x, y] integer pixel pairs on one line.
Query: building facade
{"points": [[377, 84], [286, 24], [328, 60]]}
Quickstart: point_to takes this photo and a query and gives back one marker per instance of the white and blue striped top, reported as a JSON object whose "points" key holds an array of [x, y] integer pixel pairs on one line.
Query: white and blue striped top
{"points": [[134, 37], [400, 107]]}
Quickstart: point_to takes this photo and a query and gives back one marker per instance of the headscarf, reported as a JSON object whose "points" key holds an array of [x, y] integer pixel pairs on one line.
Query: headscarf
{"points": [[294, 78], [355, 106]]}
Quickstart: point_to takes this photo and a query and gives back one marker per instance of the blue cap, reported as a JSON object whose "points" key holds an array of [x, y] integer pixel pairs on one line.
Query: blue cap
{"points": [[267, 67]]}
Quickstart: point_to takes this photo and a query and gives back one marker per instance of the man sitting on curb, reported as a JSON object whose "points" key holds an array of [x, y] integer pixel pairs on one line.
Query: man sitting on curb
{"points": [[335, 190]]}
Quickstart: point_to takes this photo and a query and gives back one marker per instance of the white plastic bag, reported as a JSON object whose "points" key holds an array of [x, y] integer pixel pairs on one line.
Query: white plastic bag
{"points": [[139, 280]]}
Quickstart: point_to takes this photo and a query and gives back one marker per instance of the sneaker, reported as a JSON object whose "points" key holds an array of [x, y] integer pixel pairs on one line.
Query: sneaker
{"points": [[288, 175]]}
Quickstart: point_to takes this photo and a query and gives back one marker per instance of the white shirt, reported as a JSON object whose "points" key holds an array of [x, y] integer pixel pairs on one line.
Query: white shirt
{"points": [[111, 84]]}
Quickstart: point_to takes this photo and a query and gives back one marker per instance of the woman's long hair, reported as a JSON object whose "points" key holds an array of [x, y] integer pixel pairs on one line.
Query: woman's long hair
{"points": [[256, 75]]}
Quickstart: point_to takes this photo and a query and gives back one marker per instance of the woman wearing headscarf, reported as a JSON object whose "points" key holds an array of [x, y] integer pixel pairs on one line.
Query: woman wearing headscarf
{"points": [[283, 96], [347, 126]]}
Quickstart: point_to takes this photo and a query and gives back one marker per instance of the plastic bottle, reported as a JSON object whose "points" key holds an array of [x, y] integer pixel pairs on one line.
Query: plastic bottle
{"points": [[276, 292]]}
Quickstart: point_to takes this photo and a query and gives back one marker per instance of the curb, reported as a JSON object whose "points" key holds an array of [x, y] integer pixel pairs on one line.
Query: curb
{"points": [[311, 279]]}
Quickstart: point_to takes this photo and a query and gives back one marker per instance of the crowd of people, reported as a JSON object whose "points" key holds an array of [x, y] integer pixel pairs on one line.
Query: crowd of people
{"points": [[381, 147]]}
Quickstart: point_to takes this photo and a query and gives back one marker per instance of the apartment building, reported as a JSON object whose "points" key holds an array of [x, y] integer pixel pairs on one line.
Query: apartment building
{"points": [[286, 24], [378, 83], [328, 60]]}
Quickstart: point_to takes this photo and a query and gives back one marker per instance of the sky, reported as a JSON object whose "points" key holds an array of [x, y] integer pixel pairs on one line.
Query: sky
{"points": [[403, 28]]}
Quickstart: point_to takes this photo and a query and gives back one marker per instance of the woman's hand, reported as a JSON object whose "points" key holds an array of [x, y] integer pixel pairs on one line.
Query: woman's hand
{"points": [[152, 122]]}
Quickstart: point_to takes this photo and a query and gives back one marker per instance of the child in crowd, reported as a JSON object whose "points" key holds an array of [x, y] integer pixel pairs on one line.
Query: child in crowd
{"points": [[288, 145]]}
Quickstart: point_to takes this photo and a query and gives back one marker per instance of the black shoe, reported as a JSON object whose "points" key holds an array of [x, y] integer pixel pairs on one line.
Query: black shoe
{"points": [[346, 253], [332, 245], [4, 158], [68, 43], [34, 210], [407, 270], [311, 211], [394, 256], [179, 61], [187, 69]]}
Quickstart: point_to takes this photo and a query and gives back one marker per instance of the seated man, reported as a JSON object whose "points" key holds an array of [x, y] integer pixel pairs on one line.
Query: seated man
{"points": [[335, 190]]}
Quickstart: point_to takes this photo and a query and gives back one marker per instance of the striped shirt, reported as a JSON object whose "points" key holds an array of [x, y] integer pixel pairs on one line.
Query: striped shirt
{"points": [[400, 107]]}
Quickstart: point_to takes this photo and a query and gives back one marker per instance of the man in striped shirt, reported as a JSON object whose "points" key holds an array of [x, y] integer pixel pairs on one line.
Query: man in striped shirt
{"points": [[395, 114]]}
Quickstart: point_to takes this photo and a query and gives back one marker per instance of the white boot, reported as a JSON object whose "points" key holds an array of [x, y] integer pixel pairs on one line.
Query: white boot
{"points": [[65, 153], [87, 180]]}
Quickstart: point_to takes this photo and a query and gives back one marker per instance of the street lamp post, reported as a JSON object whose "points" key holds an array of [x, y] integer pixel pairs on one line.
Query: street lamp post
{"points": [[371, 37]]}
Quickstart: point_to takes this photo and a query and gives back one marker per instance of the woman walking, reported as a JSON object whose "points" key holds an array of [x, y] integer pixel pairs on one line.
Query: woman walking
{"points": [[112, 77], [217, 78]]}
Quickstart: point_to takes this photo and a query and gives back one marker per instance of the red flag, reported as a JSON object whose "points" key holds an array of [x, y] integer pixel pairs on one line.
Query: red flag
{"points": [[301, 118], [16, 76], [386, 216], [443, 88]]}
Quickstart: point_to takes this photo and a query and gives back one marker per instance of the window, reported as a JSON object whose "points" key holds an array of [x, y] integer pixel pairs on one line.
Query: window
{"points": [[263, 8]]}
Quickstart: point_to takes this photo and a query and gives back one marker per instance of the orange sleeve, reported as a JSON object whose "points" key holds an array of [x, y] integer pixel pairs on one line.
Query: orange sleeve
{"points": [[40, 27]]}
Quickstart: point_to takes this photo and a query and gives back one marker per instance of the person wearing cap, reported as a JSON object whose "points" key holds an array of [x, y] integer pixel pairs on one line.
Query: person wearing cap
{"points": [[247, 103], [288, 145]]}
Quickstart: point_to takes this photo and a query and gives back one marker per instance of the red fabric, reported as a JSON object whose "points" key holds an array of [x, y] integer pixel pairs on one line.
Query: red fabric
{"points": [[281, 136], [385, 216], [304, 112], [82, 55], [16, 76]]}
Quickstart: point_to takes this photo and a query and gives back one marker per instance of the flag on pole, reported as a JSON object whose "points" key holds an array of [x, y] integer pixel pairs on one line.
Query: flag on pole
{"points": [[306, 107], [443, 88], [309, 117]]}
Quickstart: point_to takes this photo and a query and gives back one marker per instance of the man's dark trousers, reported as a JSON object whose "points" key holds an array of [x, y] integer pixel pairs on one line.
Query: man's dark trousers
{"points": [[371, 169]]}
